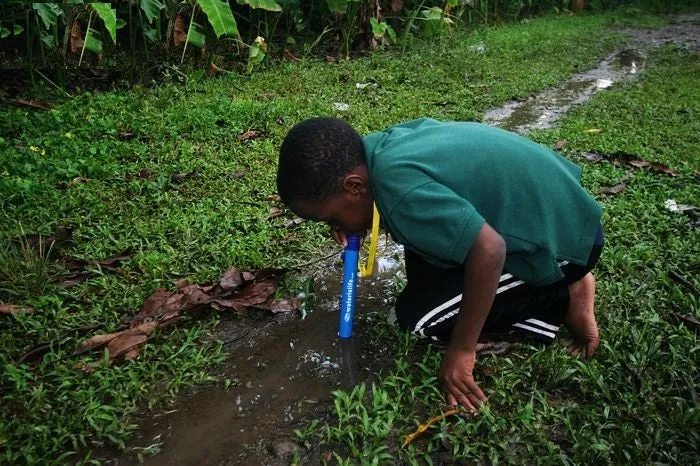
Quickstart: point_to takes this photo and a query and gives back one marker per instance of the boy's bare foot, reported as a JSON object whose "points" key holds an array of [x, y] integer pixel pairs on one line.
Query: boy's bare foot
{"points": [[580, 318]]}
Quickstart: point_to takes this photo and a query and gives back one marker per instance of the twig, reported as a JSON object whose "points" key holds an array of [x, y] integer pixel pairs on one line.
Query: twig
{"points": [[315, 261], [675, 276], [52, 83], [239, 337]]}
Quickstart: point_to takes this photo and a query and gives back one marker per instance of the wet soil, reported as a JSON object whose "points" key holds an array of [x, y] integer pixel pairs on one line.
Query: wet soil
{"points": [[283, 368], [281, 371], [542, 111]]}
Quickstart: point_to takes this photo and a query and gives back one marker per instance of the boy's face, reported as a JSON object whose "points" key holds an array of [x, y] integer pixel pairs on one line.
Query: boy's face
{"points": [[349, 211]]}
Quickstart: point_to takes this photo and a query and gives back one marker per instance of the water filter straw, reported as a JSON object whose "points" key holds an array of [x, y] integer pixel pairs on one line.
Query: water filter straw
{"points": [[347, 300]]}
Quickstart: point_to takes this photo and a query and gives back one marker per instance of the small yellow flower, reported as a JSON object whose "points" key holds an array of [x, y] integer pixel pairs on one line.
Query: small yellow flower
{"points": [[34, 148], [69, 135]]}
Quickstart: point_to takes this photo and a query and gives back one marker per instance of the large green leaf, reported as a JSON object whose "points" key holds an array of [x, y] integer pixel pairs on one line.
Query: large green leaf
{"points": [[269, 5], [152, 8], [109, 16], [340, 6], [48, 12], [220, 17], [195, 36], [93, 42]]}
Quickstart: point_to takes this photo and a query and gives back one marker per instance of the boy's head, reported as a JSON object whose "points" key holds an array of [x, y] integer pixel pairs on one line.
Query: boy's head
{"points": [[322, 174]]}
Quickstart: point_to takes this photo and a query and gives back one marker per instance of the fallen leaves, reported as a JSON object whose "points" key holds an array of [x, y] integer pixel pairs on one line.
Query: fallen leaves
{"points": [[252, 134], [560, 144], [78, 272], [180, 177], [628, 159], [235, 291], [74, 182], [61, 239], [34, 103], [484, 348], [8, 309]]}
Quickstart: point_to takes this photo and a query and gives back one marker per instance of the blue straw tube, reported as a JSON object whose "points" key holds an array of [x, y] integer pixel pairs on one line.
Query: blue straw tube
{"points": [[347, 301]]}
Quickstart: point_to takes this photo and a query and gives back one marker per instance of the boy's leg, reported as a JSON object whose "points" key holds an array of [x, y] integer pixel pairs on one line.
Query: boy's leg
{"points": [[430, 302]]}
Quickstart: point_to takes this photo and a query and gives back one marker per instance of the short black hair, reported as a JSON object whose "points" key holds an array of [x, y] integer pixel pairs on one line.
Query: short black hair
{"points": [[314, 156]]}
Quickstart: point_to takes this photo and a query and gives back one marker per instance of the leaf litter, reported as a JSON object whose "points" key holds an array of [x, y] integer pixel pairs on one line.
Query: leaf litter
{"points": [[235, 291], [621, 157]]}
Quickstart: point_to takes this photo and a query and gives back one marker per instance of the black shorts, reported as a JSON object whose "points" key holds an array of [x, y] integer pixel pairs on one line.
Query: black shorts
{"points": [[429, 304]]}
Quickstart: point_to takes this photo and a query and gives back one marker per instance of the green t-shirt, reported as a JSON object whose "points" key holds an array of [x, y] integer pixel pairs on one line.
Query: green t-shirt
{"points": [[436, 183]]}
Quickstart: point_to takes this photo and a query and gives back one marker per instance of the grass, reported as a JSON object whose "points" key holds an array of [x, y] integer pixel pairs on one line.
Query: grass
{"points": [[129, 144], [636, 401]]}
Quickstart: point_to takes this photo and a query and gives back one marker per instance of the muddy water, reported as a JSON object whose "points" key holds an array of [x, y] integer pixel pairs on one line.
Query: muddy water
{"points": [[281, 369], [543, 110]]}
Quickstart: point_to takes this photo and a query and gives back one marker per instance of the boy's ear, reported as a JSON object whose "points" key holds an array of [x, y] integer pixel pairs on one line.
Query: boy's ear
{"points": [[355, 185]]}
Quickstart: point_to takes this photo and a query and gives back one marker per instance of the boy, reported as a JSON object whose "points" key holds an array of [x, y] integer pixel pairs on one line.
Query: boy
{"points": [[498, 233]]}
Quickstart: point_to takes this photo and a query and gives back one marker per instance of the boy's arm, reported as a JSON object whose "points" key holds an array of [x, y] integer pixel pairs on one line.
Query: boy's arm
{"points": [[482, 271]]}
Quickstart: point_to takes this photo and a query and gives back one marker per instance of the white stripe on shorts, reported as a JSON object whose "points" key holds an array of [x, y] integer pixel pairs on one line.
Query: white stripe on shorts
{"points": [[418, 329], [534, 329], [543, 324]]}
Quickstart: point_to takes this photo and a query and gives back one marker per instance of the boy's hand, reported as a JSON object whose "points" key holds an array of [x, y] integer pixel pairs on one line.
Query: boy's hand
{"points": [[457, 379]]}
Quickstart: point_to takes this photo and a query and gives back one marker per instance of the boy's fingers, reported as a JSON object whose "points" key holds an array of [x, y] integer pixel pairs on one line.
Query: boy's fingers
{"points": [[476, 391], [451, 400]]}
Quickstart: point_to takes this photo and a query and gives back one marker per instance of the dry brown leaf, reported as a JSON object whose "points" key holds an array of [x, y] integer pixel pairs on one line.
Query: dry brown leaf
{"points": [[180, 177], [127, 342], [252, 134], [179, 32], [396, 5], [560, 144], [61, 239], [79, 274], [617, 189], [290, 56], [274, 212], [76, 38], [237, 175], [97, 340], [126, 135], [484, 348], [7, 309], [34, 103], [84, 367]]}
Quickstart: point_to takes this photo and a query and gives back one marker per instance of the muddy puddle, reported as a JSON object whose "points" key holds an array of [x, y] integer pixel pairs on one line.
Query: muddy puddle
{"points": [[281, 372], [542, 111]]}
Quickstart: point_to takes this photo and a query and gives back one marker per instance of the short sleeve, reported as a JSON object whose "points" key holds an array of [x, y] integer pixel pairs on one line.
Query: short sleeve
{"points": [[438, 223]]}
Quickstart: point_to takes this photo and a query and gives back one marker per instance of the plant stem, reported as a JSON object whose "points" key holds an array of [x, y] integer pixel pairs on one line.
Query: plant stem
{"points": [[87, 34], [187, 41]]}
